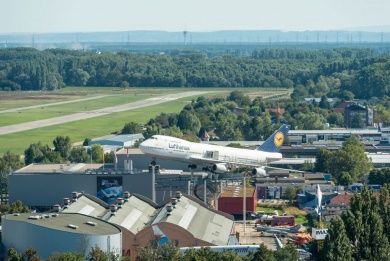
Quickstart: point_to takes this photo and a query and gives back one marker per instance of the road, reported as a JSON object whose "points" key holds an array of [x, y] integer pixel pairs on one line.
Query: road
{"points": [[53, 104], [96, 113]]}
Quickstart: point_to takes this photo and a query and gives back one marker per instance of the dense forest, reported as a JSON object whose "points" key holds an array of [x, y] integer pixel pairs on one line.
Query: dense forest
{"points": [[331, 72]]}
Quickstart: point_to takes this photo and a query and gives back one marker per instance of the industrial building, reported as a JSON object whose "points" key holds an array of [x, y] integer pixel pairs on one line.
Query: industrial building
{"points": [[114, 142], [274, 186], [64, 232], [44, 185], [356, 111], [183, 219], [231, 200], [309, 136]]}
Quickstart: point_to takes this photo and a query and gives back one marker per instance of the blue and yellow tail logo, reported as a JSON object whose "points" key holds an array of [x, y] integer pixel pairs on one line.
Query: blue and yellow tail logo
{"points": [[275, 141], [279, 139]]}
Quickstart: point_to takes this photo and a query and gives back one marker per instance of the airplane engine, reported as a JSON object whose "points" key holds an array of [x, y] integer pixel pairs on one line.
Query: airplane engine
{"points": [[259, 172], [220, 168]]}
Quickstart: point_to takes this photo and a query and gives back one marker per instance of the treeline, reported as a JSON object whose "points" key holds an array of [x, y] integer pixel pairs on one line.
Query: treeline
{"points": [[167, 252], [330, 72], [362, 232], [237, 117]]}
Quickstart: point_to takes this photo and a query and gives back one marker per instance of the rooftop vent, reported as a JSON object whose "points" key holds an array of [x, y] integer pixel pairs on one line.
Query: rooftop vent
{"points": [[169, 209], [73, 226], [91, 223], [126, 195], [75, 194], [66, 202], [174, 201], [57, 208], [113, 209], [178, 195], [120, 202]]}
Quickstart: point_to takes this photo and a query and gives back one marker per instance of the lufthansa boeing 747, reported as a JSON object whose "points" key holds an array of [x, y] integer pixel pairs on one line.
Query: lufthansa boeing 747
{"points": [[219, 159]]}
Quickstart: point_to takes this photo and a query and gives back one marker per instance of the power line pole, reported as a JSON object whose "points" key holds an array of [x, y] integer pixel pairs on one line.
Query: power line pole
{"points": [[244, 201]]}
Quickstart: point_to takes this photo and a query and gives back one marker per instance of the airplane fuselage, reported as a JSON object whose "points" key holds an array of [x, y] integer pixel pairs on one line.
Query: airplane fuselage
{"points": [[160, 146]]}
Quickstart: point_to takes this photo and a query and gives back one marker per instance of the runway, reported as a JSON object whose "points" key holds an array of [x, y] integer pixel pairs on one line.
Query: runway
{"points": [[96, 113]]}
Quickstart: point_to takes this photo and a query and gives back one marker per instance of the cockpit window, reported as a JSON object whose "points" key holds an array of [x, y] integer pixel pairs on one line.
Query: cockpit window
{"points": [[153, 138]]}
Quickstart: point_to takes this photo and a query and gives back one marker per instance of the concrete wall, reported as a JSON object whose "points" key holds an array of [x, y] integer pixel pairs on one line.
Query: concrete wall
{"points": [[46, 190], [50, 189], [142, 161], [22, 235]]}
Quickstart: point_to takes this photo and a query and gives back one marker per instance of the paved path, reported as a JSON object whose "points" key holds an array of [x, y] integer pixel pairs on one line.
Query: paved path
{"points": [[53, 104], [96, 113]]}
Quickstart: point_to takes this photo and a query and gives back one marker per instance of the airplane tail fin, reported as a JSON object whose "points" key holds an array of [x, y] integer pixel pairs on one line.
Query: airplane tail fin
{"points": [[275, 141]]}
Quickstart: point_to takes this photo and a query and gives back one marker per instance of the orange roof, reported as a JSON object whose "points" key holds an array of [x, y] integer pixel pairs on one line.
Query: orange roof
{"points": [[341, 199]]}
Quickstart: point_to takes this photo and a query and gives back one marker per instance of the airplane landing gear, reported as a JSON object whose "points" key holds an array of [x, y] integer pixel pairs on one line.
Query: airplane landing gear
{"points": [[192, 166]]}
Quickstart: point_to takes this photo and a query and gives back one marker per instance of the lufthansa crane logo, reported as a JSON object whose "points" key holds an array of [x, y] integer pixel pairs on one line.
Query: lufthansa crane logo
{"points": [[278, 139]]}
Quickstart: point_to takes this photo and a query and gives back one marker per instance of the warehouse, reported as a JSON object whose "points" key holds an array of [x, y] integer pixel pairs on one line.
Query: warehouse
{"points": [[114, 142], [64, 232], [183, 219], [308, 136], [44, 185], [231, 200]]}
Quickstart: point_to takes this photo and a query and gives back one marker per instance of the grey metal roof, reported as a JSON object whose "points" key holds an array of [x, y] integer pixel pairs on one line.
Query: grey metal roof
{"points": [[335, 132], [205, 224], [57, 168], [118, 139], [63, 220], [138, 212], [86, 205], [134, 215]]}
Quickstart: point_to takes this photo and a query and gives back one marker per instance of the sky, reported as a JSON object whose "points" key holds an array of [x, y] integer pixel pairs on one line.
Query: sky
{"points": [[192, 15]]}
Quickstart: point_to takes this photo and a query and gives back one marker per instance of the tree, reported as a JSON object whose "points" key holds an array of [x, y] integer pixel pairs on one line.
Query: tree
{"points": [[67, 256], [336, 119], [287, 253], [337, 246], [291, 193], [188, 121], [31, 255], [366, 227], [96, 254], [62, 145], [34, 153], [13, 255], [131, 128], [239, 98], [379, 176], [165, 252], [172, 131], [38, 153], [347, 165], [357, 122], [97, 153], [86, 141], [78, 155], [263, 254], [9, 162]]}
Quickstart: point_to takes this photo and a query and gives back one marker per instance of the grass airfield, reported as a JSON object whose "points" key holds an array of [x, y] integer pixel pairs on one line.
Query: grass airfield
{"points": [[99, 98]]}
